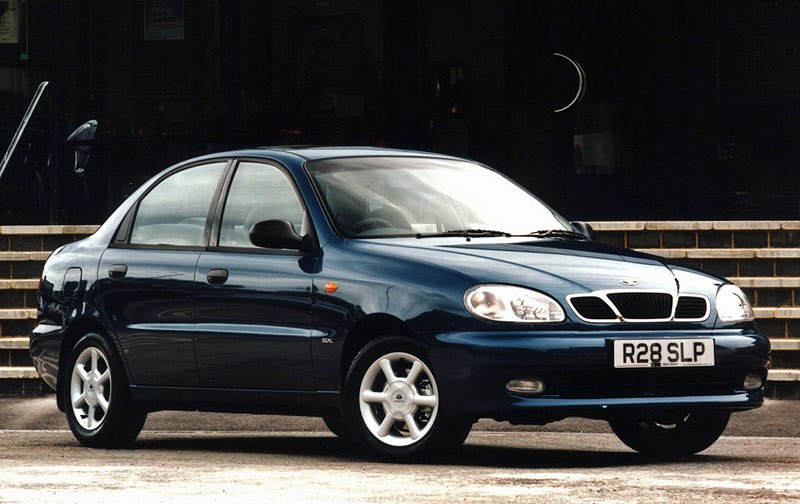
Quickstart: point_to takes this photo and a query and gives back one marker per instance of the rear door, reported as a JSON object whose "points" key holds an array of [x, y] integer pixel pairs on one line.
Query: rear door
{"points": [[147, 277]]}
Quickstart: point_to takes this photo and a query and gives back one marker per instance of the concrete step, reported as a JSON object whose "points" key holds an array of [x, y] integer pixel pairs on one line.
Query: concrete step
{"points": [[783, 375], [18, 372], [766, 282], [785, 344], [17, 321], [19, 283], [25, 255], [777, 312], [693, 226], [41, 238], [22, 264], [17, 313], [19, 293], [724, 253], [14, 343]]}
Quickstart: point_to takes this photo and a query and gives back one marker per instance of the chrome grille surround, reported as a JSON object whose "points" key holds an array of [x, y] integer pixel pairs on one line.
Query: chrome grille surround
{"points": [[603, 295]]}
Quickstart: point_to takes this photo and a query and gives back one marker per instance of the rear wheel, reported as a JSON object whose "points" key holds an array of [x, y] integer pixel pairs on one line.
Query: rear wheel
{"points": [[675, 436], [393, 403], [96, 397]]}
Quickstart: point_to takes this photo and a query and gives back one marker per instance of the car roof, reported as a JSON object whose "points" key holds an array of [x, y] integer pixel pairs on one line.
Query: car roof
{"points": [[312, 153]]}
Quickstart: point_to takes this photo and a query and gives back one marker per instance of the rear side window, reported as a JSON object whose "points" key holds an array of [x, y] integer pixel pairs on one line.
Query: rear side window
{"points": [[175, 211]]}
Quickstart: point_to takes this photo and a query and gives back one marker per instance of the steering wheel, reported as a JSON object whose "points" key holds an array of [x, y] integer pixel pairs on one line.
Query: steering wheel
{"points": [[370, 223]]}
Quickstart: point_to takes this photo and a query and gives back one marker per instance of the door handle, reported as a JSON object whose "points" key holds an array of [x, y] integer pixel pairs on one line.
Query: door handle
{"points": [[117, 271], [217, 276]]}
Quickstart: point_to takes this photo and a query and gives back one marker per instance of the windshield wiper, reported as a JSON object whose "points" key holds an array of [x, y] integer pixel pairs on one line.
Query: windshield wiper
{"points": [[557, 233], [467, 233]]}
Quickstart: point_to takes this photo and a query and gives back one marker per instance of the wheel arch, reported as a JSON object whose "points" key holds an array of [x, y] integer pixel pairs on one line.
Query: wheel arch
{"points": [[72, 335], [369, 328]]}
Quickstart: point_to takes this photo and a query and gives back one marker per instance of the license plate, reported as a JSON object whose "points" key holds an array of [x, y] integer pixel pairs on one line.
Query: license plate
{"points": [[645, 353]]}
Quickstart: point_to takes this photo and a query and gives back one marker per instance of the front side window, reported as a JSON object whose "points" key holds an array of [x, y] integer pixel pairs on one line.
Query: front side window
{"points": [[258, 192], [408, 196], [175, 211]]}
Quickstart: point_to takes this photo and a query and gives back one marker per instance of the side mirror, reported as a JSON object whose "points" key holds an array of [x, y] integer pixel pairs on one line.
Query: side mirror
{"points": [[584, 228], [81, 141], [279, 234]]}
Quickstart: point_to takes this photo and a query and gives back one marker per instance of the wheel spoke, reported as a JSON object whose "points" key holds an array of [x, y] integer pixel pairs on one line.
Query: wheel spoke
{"points": [[413, 374], [103, 377], [90, 417], [388, 372], [95, 359], [386, 425], [372, 397], [426, 400], [413, 430], [79, 401], [81, 370], [103, 403]]}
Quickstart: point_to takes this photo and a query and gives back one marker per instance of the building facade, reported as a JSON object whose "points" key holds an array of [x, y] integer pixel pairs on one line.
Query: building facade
{"points": [[608, 110]]}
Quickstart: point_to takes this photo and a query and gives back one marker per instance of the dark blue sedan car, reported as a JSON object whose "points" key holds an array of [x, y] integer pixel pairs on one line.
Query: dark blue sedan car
{"points": [[399, 295]]}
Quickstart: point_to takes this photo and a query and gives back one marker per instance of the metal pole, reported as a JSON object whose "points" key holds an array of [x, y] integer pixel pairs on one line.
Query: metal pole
{"points": [[22, 126]]}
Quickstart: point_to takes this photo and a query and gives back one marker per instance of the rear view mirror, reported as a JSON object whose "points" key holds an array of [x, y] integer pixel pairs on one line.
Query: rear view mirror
{"points": [[279, 234]]}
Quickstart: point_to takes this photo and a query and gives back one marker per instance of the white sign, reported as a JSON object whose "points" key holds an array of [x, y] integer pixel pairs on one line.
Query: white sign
{"points": [[163, 20], [9, 22]]}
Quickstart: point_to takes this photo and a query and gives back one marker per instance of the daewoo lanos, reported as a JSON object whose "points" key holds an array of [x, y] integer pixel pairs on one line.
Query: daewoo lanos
{"points": [[398, 295]]}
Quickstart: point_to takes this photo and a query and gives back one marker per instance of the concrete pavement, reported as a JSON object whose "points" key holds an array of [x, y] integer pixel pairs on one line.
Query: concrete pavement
{"points": [[775, 418], [285, 466]]}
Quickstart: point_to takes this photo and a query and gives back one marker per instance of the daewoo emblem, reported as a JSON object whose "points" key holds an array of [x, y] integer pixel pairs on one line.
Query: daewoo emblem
{"points": [[629, 283]]}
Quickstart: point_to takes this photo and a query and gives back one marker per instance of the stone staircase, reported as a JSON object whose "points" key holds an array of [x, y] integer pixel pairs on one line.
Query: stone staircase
{"points": [[23, 251], [762, 257]]}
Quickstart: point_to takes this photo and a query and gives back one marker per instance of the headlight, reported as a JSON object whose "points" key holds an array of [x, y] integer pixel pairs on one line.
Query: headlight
{"points": [[732, 304], [506, 303]]}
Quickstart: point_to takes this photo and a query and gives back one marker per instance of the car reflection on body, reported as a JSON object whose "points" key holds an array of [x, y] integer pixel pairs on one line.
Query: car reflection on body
{"points": [[399, 295]]}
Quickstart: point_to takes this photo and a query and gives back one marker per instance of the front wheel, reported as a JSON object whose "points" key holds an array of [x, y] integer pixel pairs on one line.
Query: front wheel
{"points": [[98, 407], [676, 436], [393, 403]]}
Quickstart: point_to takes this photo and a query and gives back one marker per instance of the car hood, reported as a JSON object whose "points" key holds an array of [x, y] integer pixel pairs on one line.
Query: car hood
{"points": [[558, 267]]}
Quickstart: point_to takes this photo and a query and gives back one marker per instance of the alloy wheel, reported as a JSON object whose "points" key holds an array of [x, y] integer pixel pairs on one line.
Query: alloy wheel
{"points": [[398, 399], [90, 388]]}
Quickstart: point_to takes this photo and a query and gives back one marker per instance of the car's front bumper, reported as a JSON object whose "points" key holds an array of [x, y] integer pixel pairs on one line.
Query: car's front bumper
{"points": [[473, 369]]}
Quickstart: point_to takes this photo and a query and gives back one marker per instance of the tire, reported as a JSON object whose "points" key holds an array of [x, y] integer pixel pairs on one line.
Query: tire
{"points": [[391, 415], [97, 400], [336, 424], [679, 436]]}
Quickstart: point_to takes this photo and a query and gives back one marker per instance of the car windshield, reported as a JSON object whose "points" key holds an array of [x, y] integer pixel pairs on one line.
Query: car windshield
{"points": [[410, 196]]}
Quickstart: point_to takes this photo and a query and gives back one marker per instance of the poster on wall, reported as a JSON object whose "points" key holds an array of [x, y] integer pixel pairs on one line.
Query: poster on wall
{"points": [[163, 20], [9, 22]]}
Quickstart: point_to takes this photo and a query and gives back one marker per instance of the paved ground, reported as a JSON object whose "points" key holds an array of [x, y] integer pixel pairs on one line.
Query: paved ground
{"points": [[247, 458], [774, 419]]}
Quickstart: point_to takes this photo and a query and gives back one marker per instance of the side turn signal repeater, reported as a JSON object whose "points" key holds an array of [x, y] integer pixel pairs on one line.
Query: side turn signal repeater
{"points": [[331, 287]]}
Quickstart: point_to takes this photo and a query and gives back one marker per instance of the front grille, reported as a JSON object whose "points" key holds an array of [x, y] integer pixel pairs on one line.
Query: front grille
{"points": [[592, 308], [642, 305], [691, 307], [634, 306]]}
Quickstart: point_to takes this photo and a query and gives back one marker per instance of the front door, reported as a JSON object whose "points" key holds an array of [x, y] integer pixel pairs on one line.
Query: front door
{"points": [[253, 305]]}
